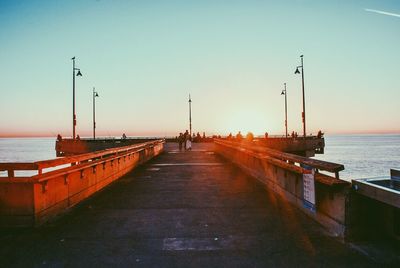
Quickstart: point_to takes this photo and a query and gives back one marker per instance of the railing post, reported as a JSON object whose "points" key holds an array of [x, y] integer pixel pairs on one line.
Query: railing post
{"points": [[10, 173]]}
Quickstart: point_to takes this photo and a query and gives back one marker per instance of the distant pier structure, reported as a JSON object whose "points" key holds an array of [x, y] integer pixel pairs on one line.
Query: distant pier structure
{"points": [[69, 147], [307, 147]]}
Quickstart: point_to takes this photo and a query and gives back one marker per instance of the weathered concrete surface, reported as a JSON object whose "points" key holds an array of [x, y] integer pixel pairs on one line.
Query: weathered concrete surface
{"points": [[203, 212]]}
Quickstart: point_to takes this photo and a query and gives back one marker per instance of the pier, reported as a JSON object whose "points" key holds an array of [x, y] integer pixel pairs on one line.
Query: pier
{"points": [[309, 146], [227, 202], [184, 209], [191, 134]]}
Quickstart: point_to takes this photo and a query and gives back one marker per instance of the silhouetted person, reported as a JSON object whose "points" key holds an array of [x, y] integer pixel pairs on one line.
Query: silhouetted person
{"points": [[123, 136], [320, 134], [230, 136], [78, 137], [293, 134], [180, 141], [186, 137], [266, 135], [59, 138], [239, 136], [249, 136], [204, 135]]}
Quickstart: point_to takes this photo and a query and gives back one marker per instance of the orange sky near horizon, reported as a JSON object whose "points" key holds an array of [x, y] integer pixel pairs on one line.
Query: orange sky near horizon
{"points": [[146, 58]]}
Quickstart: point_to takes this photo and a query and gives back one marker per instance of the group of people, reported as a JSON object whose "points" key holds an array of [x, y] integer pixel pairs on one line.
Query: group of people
{"points": [[239, 136], [185, 140], [250, 136]]}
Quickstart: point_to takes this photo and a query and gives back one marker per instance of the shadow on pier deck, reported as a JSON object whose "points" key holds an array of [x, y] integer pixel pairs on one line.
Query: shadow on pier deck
{"points": [[180, 209]]}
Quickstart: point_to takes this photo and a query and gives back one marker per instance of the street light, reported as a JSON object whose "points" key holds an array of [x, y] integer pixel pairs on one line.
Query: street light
{"points": [[303, 115], [190, 116], [284, 92], [95, 94], [73, 95]]}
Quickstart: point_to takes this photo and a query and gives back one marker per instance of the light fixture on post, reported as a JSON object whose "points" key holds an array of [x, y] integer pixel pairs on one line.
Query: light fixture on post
{"points": [[303, 115], [190, 116], [95, 95], [284, 92], [73, 96]]}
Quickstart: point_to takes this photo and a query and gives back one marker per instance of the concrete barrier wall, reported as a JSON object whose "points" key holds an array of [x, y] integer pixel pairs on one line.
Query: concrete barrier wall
{"points": [[32, 201], [330, 201]]}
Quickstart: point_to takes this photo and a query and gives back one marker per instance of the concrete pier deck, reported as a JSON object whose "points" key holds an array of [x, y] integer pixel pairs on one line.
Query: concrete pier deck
{"points": [[181, 209]]}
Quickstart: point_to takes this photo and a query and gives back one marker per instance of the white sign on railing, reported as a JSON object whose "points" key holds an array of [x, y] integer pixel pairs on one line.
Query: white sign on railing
{"points": [[309, 189]]}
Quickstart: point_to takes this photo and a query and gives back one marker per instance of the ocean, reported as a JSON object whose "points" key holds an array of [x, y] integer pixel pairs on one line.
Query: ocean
{"points": [[364, 156]]}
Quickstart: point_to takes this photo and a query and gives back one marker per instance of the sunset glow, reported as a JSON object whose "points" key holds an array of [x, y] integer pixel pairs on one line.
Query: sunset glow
{"points": [[146, 58]]}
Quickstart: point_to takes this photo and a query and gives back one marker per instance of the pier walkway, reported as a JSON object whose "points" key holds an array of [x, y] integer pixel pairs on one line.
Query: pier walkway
{"points": [[186, 209]]}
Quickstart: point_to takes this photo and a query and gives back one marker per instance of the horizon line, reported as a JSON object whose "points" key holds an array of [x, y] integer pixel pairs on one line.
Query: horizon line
{"points": [[212, 134]]}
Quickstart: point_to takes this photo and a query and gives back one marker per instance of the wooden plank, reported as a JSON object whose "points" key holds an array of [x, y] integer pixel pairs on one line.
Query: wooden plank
{"points": [[85, 164], [284, 165], [328, 180], [89, 156], [18, 166], [322, 165], [103, 155]]}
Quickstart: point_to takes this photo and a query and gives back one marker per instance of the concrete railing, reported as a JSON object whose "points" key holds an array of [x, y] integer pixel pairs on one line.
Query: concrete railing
{"points": [[62, 183], [283, 174]]}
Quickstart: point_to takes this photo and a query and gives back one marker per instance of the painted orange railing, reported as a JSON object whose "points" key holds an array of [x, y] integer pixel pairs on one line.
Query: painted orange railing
{"points": [[61, 183], [93, 158], [289, 161]]}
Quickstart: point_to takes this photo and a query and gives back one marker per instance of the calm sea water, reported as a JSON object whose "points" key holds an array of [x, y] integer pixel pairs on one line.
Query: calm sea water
{"points": [[363, 156]]}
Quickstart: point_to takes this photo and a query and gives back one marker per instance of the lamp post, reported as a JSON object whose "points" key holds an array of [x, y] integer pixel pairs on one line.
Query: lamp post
{"points": [[73, 95], [95, 94], [284, 92], [190, 116], [303, 115]]}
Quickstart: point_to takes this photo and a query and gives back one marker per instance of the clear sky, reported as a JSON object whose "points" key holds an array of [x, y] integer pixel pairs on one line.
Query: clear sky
{"points": [[145, 57]]}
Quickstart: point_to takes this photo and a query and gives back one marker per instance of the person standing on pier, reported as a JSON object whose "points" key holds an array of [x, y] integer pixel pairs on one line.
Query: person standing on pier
{"points": [[188, 141], [186, 138], [180, 141], [239, 136]]}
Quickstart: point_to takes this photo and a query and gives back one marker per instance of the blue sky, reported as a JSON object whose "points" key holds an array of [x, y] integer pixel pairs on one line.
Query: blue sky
{"points": [[145, 57]]}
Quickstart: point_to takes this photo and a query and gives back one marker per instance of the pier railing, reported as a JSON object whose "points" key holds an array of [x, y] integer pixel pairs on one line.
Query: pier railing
{"points": [[94, 158], [290, 161], [69, 147], [62, 183], [308, 146], [283, 173]]}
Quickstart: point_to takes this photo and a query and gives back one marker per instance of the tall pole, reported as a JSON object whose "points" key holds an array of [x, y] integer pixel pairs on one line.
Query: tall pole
{"points": [[286, 125], [94, 113], [304, 100], [190, 116], [73, 99]]}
